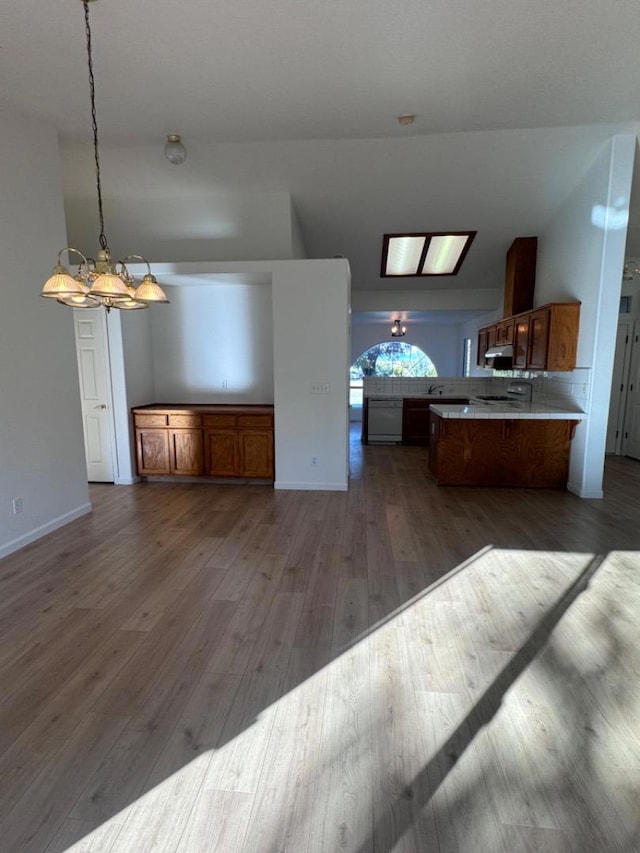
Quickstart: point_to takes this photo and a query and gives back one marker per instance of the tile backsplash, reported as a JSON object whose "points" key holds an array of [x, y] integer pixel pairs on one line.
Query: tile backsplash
{"points": [[551, 389]]}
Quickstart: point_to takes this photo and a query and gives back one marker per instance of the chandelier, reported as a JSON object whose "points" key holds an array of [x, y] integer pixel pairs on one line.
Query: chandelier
{"points": [[398, 330], [100, 282]]}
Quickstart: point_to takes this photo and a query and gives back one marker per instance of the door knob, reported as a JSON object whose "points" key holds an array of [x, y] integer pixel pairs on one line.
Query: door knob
{"points": [[101, 406]]}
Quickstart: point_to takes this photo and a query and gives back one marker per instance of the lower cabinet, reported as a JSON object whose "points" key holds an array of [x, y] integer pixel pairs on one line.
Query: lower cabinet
{"points": [[169, 451], [415, 417], [509, 452], [215, 441], [186, 452], [239, 445], [152, 451]]}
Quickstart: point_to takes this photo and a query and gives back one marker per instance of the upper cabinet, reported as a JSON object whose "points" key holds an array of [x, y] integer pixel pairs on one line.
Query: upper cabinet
{"points": [[543, 339], [520, 276]]}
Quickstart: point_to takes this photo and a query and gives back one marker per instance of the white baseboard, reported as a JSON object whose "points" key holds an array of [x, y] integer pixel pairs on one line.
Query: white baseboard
{"points": [[576, 490], [41, 531], [312, 487], [126, 481]]}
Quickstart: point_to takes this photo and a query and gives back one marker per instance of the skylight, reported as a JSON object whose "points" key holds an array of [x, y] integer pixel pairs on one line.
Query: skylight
{"points": [[426, 253]]}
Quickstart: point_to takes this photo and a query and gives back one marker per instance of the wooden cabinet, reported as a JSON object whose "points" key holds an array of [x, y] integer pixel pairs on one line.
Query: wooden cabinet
{"points": [[504, 331], [510, 452], [520, 276], [186, 451], [483, 346], [162, 449], [415, 417], [520, 342], [486, 340], [216, 441], [543, 339], [239, 445], [152, 451], [537, 358]]}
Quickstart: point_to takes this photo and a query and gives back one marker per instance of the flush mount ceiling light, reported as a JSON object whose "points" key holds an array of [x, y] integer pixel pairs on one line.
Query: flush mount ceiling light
{"points": [[100, 282], [424, 253], [630, 270], [174, 149], [398, 330]]}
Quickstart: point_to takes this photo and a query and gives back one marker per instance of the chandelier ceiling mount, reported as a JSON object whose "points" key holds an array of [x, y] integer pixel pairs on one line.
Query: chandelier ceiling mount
{"points": [[100, 282]]}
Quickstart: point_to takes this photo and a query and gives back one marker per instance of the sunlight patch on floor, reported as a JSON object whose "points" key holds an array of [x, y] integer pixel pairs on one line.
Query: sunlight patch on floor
{"points": [[438, 722]]}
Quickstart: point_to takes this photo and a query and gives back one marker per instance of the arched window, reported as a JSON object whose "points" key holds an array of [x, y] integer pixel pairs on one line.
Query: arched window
{"points": [[389, 358]]}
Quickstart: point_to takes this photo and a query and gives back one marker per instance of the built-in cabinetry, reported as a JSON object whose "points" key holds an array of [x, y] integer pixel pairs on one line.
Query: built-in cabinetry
{"points": [[545, 338], [520, 277], [198, 440], [415, 417], [497, 452]]}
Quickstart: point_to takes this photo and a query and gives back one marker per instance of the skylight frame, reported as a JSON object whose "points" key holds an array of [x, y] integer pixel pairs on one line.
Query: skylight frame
{"points": [[427, 235]]}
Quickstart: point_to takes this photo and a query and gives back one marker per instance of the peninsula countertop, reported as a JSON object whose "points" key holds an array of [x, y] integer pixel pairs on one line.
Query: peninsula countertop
{"points": [[508, 411]]}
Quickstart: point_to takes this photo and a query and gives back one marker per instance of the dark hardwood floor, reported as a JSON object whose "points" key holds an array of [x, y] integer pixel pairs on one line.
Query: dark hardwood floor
{"points": [[400, 667]]}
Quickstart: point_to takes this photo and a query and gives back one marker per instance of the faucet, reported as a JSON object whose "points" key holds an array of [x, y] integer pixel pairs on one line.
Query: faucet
{"points": [[433, 388]]}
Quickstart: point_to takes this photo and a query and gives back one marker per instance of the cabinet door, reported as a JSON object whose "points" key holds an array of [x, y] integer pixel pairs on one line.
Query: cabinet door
{"points": [[415, 422], [538, 340], [256, 453], [504, 332], [186, 451], [520, 342], [483, 346], [152, 451], [221, 453]]}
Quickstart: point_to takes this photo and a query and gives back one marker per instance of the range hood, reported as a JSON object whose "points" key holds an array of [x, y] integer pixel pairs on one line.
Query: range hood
{"points": [[505, 351]]}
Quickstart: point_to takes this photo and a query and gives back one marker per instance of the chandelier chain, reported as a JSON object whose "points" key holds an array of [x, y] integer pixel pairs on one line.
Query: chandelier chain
{"points": [[94, 125]]}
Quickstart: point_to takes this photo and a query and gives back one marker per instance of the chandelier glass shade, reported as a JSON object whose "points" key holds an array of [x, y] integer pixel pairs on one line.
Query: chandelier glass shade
{"points": [[100, 282]]}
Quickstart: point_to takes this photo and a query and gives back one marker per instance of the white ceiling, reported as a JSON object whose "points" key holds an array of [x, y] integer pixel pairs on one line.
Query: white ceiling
{"points": [[223, 73]]}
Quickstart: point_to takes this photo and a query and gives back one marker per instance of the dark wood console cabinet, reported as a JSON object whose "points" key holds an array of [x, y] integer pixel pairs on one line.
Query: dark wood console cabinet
{"points": [[201, 440]]}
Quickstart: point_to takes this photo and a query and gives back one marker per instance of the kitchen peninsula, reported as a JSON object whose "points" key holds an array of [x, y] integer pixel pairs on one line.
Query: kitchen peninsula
{"points": [[514, 444]]}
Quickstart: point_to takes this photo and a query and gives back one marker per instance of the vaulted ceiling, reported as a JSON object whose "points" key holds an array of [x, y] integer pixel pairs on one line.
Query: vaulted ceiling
{"points": [[325, 75]]}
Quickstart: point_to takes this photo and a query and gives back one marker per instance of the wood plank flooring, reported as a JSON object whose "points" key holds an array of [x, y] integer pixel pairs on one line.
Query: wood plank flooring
{"points": [[398, 668]]}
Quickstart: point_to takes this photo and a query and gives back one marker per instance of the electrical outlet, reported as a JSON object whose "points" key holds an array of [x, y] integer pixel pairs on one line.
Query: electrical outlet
{"points": [[17, 506], [225, 383], [314, 460]]}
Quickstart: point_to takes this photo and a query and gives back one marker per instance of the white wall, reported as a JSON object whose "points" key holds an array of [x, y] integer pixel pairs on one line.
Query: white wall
{"points": [[580, 256], [311, 344], [41, 440], [216, 226], [298, 248], [210, 335], [131, 380], [442, 343]]}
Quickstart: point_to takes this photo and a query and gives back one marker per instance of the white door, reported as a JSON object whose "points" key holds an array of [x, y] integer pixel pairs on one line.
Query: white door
{"points": [[92, 347], [631, 438], [619, 384]]}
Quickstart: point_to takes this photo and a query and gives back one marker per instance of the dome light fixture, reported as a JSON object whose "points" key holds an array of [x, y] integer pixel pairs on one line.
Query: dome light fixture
{"points": [[174, 149], [102, 282]]}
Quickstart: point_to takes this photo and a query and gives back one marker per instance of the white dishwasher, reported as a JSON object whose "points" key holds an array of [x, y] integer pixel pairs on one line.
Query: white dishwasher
{"points": [[385, 420]]}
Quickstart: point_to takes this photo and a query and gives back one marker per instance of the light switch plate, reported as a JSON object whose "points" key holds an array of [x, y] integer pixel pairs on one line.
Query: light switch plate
{"points": [[319, 387]]}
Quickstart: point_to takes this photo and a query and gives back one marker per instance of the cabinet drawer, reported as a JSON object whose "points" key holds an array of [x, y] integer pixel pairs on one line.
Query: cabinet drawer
{"points": [[217, 421], [150, 420], [255, 421], [185, 420]]}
